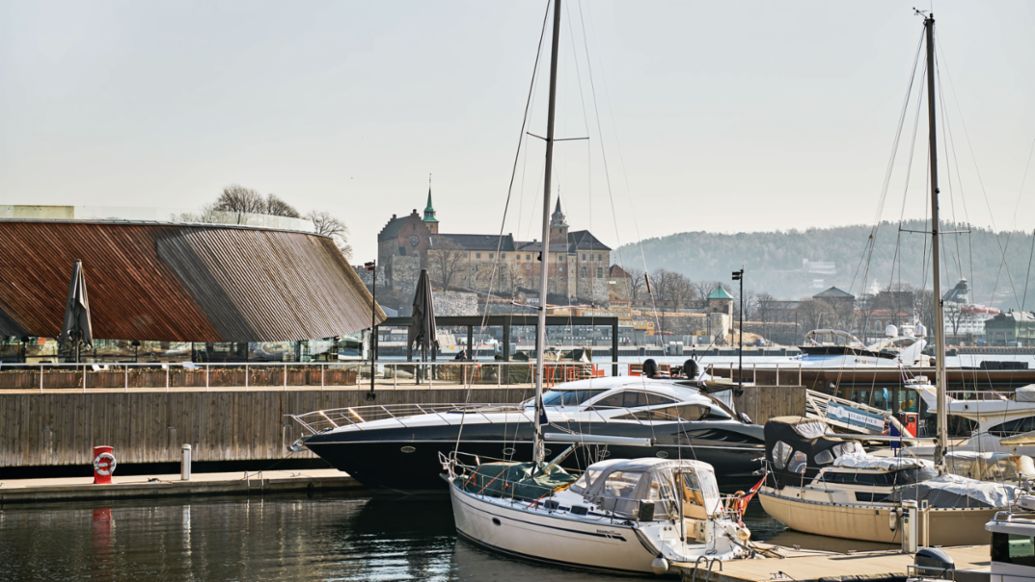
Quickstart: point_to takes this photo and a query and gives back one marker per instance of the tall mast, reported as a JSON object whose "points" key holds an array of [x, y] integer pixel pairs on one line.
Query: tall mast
{"points": [[939, 318], [538, 450]]}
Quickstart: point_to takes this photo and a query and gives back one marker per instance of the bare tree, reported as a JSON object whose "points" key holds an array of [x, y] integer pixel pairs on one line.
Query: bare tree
{"points": [[636, 286], [923, 307], [705, 288], [764, 304], [815, 314], [277, 207], [237, 198], [326, 225], [446, 260]]}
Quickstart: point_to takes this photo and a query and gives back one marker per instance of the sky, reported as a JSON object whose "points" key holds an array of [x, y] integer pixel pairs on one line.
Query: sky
{"points": [[719, 116]]}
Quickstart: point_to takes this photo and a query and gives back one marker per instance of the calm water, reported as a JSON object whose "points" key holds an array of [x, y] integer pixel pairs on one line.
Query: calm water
{"points": [[270, 538]]}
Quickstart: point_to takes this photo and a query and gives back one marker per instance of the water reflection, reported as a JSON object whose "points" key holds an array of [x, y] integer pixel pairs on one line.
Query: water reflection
{"points": [[270, 538]]}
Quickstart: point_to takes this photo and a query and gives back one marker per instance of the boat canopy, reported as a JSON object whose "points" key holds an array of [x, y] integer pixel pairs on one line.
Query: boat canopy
{"points": [[621, 485], [798, 447]]}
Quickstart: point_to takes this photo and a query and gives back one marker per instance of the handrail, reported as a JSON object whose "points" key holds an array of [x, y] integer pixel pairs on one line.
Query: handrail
{"points": [[389, 374]]}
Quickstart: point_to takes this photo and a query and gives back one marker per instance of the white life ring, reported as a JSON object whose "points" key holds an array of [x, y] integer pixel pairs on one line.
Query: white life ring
{"points": [[104, 464]]}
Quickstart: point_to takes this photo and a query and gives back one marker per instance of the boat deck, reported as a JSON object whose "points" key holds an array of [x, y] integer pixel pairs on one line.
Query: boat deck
{"points": [[801, 565]]}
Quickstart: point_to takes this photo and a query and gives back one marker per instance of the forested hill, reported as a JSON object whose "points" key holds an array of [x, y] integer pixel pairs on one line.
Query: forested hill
{"points": [[796, 264]]}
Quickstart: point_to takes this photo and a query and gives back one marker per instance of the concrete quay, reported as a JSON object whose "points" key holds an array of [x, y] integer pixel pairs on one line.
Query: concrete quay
{"points": [[24, 491]]}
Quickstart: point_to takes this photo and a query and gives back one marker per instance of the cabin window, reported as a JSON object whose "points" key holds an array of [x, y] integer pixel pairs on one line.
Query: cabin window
{"points": [[680, 412], [631, 399], [586, 480], [781, 451], [850, 448], [621, 484], [568, 397], [1013, 427], [798, 462], [1013, 549], [824, 457]]}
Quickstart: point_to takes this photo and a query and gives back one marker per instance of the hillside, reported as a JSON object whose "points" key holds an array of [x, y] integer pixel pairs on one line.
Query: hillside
{"points": [[795, 264]]}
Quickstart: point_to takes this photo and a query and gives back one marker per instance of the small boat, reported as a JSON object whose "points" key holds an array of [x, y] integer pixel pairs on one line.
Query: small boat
{"points": [[998, 416], [840, 349], [621, 515], [1013, 542], [822, 483]]}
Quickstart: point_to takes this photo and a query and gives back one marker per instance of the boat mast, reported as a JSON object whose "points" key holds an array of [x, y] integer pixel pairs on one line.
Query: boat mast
{"points": [[939, 318], [538, 449]]}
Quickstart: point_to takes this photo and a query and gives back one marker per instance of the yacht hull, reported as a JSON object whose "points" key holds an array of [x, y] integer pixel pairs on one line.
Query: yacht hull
{"points": [[409, 459], [871, 521], [547, 538]]}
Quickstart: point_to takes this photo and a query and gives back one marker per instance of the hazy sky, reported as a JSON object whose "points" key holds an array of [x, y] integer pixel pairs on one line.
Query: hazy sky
{"points": [[716, 115]]}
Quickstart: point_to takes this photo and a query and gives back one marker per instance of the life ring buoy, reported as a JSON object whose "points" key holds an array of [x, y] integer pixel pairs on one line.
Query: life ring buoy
{"points": [[104, 464]]}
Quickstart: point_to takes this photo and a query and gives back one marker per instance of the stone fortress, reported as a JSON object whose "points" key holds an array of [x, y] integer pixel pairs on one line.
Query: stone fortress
{"points": [[465, 269]]}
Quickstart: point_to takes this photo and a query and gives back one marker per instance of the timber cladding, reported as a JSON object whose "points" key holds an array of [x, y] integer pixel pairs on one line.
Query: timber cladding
{"points": [[49, 429], [764, 402], [174, 282]]}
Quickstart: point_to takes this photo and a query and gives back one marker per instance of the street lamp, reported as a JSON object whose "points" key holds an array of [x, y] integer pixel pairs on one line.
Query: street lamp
{"points": [[739, 276], [372, 267]]}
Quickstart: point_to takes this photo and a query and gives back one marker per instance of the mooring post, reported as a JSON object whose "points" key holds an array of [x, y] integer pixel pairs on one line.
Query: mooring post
{"points": [[185, 462]]}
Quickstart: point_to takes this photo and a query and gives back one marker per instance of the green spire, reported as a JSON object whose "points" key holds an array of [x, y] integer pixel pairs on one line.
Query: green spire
{"points": [[429, 210]]}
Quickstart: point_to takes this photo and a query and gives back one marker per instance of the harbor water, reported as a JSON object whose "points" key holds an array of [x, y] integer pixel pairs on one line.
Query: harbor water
{"points": [[297, 537]]}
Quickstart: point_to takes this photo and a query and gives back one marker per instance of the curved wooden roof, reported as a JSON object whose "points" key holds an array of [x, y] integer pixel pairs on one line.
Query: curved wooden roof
{"points": [[176, 282]]}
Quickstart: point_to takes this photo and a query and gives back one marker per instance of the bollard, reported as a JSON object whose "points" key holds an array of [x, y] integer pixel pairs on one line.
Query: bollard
{"points": [[103, 464], [185, 463], [909, 528]]}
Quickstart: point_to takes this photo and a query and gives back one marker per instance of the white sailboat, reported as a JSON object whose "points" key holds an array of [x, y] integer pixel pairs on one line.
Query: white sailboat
{"points": [[820, 484], [624, 515]]}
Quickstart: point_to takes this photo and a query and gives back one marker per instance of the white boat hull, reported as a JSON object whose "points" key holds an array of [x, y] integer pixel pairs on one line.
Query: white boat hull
{"points": [[871, 521], [547, 537]]}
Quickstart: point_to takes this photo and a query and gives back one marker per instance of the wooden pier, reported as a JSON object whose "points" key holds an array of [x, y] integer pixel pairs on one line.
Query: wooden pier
{"points": [[17, 491], [800, 565]]}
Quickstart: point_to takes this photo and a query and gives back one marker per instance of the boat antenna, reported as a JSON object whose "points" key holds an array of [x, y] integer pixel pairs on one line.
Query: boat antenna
{"points": [[936, 281], [538, 449]]}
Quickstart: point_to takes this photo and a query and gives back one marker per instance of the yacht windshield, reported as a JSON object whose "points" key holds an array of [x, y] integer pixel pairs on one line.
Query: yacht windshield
{"points": [[567, 397]]}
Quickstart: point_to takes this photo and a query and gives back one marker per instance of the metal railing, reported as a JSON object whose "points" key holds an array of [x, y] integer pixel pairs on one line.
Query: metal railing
{"points": [[321, 420], [290, 375], [791, 373]]}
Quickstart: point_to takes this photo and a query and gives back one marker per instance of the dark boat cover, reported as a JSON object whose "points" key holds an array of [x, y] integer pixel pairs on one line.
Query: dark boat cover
{"points": [[515, 480]]}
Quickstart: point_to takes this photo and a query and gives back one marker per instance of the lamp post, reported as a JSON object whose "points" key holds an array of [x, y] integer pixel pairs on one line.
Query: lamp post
{"points": [[372, 267], [739, 276]]}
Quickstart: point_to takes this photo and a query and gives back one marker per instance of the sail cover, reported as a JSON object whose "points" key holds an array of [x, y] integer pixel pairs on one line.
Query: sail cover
{"points": [[954, 491]]}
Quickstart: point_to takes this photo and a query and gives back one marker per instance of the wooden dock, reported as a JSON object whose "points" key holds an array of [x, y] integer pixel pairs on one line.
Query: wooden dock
{"points": [[15, 491], [801, 565]]}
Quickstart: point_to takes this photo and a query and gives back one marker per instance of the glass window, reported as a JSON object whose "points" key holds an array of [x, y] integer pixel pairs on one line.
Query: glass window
{"points": [[586, 480], [1013, 427], [567, 397], [824, 457], [621, 484], [781, 451], [797, 463], [680, 412], [631, 399], [1013, 549]]}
